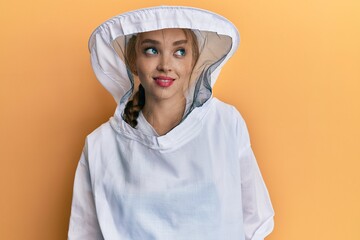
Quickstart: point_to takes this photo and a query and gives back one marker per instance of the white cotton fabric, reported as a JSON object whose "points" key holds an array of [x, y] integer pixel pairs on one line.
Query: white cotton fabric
{"points": [[200, 181], [145, 127]]}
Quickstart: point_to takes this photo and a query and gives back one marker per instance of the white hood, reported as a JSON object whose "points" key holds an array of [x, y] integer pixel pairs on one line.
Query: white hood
{"points": [[200, 180], [217, 38]]}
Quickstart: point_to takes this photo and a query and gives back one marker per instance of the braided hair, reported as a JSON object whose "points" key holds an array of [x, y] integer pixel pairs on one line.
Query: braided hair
{"points": [[136, 104], [133, 106]]}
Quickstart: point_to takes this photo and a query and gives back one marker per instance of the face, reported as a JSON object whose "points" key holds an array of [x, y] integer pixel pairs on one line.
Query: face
{"points": [[164, 62]]}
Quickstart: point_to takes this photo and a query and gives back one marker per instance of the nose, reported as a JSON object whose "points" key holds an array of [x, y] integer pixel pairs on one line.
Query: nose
{"points": [[165, 64]]}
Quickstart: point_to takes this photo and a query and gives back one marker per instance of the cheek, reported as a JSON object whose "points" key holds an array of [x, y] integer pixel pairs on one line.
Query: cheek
{"points": [[145, 64], [141, 67], [188, 65], [187, 69]]}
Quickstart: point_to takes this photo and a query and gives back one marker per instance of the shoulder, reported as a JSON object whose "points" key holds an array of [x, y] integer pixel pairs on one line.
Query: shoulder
{"points": [[227, 118], [102, 132], [99, 145], [101, 137], [226, 111]]}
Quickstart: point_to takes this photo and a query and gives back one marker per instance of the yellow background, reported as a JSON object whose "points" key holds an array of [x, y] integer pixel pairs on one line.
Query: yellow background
{"points": [[295, 79]]}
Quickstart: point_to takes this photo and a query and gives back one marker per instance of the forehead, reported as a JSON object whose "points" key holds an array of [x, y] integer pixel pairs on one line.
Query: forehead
{"points": [[170, 34]]}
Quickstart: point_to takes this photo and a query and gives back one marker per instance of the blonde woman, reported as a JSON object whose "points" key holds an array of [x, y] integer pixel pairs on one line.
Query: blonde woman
{"points": [[173, 162]]}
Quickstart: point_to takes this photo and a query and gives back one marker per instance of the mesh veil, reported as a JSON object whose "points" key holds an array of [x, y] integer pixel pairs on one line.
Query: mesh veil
{"points": [[213, 49]]}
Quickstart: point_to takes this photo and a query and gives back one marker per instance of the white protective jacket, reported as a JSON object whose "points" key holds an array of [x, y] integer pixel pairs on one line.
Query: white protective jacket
{"points": [[200, 181]]}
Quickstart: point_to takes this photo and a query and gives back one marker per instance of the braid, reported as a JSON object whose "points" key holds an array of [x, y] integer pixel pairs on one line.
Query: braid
{"points": [[134, 106]]}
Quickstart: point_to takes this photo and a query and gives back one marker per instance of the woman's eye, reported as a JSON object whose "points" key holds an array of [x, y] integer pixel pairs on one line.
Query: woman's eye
{"points": [[150, 51], [180, 52]]}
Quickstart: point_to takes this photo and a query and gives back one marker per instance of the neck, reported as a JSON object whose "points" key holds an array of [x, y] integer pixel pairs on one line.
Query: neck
{"points": [[164, 115]]}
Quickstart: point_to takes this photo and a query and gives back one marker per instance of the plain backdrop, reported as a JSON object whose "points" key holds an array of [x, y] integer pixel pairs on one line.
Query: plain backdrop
{"points": [[295, 79]]}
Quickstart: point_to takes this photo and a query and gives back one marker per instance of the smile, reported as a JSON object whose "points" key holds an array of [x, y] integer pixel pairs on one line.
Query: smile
{"points": [[164, 81]]}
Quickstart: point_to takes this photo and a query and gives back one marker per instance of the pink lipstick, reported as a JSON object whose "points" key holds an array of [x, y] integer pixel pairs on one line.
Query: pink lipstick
{"points": [[164, 81]]}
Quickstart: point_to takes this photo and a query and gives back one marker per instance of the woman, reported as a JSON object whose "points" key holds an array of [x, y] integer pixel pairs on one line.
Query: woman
{"points": [[174, 162], [163, 60]]}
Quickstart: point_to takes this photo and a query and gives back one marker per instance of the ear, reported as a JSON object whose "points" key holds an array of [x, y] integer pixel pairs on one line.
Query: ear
{"points": [[135, 72]]}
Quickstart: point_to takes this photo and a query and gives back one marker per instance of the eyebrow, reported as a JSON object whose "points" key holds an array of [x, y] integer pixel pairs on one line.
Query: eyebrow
{"points": [[151, 41], [179, 42]]}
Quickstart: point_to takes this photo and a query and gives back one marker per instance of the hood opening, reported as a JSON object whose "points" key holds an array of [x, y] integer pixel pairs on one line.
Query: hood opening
{"points": [[213, 49], [217, 40]]}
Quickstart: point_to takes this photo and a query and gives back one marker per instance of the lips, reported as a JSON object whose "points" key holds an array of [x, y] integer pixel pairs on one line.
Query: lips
{"points": [[164, 81]]}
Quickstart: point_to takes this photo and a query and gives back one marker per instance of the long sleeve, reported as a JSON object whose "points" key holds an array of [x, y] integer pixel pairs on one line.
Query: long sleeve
{"points": [[83, 220], [257, 208]]}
